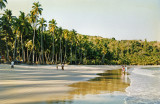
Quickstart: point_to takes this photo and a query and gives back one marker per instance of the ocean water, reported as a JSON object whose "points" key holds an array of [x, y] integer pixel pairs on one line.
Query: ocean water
{"points": [[144, 87]]}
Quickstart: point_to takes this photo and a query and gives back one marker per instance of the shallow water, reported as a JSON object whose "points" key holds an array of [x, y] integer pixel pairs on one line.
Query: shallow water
{"points": [[108, 88], [144, 87], [38, 86]]}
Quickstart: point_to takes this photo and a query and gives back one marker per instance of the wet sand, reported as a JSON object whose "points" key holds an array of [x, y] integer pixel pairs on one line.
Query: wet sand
{"points": [[26, 84]]}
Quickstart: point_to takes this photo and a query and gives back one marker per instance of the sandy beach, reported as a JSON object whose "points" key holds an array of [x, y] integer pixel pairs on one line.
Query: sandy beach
{"points": [[82, 84], [43, 83]]}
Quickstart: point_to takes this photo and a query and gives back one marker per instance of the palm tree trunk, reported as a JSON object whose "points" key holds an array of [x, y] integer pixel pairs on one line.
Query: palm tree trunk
{"points": [[27, 54], [60, 51], [34, 36], [81, 55], [59, 60], [39, 59], [15, 48], [33, 45], [36, 57], [65, 51], [75, 54], [24, 53], [103, 58], [22, 47], [42, 45], [71, 54], [53, 48], [7, 49], [56, 58], [18, 53], [45, 56]]}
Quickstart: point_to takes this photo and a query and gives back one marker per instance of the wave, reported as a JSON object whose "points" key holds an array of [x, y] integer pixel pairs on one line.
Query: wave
{"points": [[146, 71], [144, 87]]}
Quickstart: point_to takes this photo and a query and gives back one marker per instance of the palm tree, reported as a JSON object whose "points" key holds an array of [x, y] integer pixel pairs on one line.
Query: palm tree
{"points": [[16, 25], [72, 38], [60, 33], [65, 35], [23, 29], [42, 24], [2, 4], [36, 11], [6, 27], [76, 42], [52, 26], [84, 48], [8, 13], [80, 43], [104, 51]]}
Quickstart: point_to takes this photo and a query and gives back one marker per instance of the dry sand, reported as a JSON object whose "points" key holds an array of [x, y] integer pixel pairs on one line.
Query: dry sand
{"points": [[43, 83]]}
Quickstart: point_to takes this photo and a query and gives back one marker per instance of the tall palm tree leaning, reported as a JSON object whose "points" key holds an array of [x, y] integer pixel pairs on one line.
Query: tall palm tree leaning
{"points": [[42, 24], [52, 26], [2, 4], [36, 10]]}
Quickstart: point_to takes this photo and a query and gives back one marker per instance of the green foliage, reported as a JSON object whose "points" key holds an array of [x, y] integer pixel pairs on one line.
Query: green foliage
{"points": [[26, 36]]}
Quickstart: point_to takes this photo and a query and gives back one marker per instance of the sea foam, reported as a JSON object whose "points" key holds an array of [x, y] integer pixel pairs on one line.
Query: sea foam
{"points": [[144, 86]]}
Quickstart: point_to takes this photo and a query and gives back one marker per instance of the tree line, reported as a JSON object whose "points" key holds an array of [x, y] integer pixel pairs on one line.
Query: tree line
{"points": [[26, 38]]}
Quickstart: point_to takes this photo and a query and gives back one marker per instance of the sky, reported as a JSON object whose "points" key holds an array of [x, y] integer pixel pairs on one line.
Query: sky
{"points": [[122, 19]]}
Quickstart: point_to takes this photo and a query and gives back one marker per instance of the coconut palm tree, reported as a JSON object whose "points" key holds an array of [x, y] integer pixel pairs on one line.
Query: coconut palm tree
{"points": [[36, 11], [79, 37], [72, 38], [2, 4], [103, 50], [76, 42], [65, 35], [16, 26], [60, 30], [22, 28], [84, 48], [8, 13], [6, 28], [42, 24], [52, 26]]}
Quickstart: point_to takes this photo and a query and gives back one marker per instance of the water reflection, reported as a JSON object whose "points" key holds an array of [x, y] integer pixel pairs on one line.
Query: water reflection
{"points": [[50, 86], [108, 82]]}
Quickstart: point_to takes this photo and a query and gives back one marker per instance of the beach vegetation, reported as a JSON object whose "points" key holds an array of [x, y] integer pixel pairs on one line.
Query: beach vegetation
{"points": [[29, 39]]}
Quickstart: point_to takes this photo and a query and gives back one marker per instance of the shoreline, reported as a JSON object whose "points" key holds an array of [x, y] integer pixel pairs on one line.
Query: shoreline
{"points": [[43, 83], [144, 86]]}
